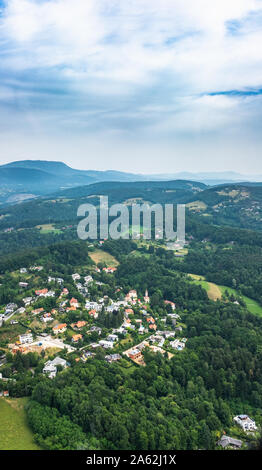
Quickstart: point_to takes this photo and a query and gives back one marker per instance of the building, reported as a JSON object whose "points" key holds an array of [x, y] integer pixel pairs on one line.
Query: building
{"points": [[74, 303], [23, 284], [106, 344], [10, 308], [112, 358], [27, 338], [88, 280], [78, 325], [172, 304], [135, 354], [178, 345], [27, 301], [41, 292], [112, 338], [93, 313], [246, 423], [50, 368], [227, 441], [76, 338], [146, 297], [61, 328]]}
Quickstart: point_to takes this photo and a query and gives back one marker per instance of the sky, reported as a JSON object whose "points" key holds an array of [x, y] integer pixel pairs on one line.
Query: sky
{"points": [[145, 86]]}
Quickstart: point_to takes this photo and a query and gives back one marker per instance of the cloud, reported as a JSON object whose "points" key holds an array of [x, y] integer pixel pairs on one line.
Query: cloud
{"points": [[172, 67]]}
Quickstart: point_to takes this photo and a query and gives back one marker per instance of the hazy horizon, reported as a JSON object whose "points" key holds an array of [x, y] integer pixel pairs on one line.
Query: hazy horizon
{"points": [[133, 86]]}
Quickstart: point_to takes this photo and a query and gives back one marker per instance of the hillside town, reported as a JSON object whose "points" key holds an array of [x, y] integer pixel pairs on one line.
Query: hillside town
{"points": [[53, 320]]}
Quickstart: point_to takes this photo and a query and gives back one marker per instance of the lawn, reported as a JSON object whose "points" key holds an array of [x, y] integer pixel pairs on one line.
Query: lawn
{"points": [[251, 304], [215, 292], [100, 256], [48, 228], [14, 431]]}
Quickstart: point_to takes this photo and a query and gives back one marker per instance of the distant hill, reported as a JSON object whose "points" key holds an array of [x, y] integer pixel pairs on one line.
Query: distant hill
{"points": [[62, 206], [40, 177], [232, 204]]}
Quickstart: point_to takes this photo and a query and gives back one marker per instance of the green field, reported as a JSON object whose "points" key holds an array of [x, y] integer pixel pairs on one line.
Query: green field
{"points": [[211, 288], [48, 228], [251, 304], [100, 256], [14, 431]]}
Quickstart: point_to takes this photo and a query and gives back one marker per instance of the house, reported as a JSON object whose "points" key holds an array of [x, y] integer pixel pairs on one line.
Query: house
{"points": [[37, 311], [112, 358], [172, 304], [86, 355], [129, 311], [178, 345], [41, 292], [27, 300], [88, 280], [36, 268], [109, 270], [74, 303], [21, 310], [227, 441], [71, 309], [112, 308], [135, 354], [167, 334], [27, 338], [112, 338], [141, 329], [61, 328], [97, 329], [132, 295], [106, 344], [6, 393], [76, 277], [78, 325], [10, 308], [93, 314], [23, 284], [23, 270], [76, 338], [246, 423], [47, 317], [94, 306], [152, 327], [65, 291], [50, 368]]}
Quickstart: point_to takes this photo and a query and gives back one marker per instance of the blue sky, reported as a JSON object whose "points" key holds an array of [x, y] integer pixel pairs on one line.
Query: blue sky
{"points": [[138, 85]]}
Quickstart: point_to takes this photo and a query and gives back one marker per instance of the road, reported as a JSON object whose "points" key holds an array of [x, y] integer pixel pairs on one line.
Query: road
{"points": [[49, 342]]}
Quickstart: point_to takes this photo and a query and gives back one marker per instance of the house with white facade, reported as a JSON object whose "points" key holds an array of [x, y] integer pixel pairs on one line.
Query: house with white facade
{"points": [[246, 423]]}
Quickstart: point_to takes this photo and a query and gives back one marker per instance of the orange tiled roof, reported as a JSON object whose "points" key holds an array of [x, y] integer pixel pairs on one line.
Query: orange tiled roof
{"points": [[60, 326]]}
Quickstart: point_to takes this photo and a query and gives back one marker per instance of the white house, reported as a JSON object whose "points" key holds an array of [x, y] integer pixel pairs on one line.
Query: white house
{"points": [[178, 345], [26, 338], [50, 368], [106, 344], [246, 423]]}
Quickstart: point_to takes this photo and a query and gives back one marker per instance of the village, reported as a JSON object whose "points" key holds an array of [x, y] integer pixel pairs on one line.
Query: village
{"points": [[120, 329], [88, 315]]}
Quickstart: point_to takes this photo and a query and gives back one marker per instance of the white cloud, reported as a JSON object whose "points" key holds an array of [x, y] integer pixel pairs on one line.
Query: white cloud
{"points": [[132, 66]]}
